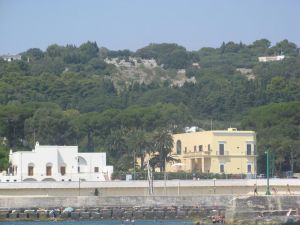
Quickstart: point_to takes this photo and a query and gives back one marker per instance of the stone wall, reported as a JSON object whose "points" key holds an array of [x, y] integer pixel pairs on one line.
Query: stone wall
{"points": [[235, 208]]}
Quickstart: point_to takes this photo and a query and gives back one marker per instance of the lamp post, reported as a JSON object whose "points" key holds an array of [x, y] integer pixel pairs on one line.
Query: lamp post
{"points": [[21, 168], [214, 185], [79, 187], [165, 178], [268, 172], [134, 165]]}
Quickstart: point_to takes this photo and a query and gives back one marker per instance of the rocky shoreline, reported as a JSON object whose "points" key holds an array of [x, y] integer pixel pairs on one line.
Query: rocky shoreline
{"points": [[258, 210], [106, 213]]}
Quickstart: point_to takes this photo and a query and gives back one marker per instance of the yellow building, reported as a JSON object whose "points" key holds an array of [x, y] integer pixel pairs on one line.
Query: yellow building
{"points": [[217, 151]]}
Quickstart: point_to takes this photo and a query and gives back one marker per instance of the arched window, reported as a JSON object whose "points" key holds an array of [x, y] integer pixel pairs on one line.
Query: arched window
{"points": [[49, 169], [30, 169], [178, 147], [82, 164], [62, 169]]}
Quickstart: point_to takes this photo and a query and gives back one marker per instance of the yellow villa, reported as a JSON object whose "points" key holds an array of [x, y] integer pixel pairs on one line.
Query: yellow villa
{"points": [[217, 151]]}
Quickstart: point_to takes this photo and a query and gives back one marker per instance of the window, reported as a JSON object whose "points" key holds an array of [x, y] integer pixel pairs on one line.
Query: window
{"points": [[222, 168], [208, 147], [221, 149], [248, 149], [48, 170], [178, 147], [30, 170], [200, 148], [96, 169], [62, 170], [185, 150], [249, 168], [195, 148]]}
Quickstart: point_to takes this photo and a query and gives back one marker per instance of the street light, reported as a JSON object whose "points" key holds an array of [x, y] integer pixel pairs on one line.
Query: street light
{"points": [[268, 172], [134, 165], [79, 187], [214, 185]]}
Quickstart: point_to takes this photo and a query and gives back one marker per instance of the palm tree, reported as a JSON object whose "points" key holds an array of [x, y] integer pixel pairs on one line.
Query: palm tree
{"points": [[139, 142], [163, 144]]}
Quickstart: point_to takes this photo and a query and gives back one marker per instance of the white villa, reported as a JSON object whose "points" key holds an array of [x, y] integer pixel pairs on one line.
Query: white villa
{"points": [[271, 58], [10, 58], [56, 163]]}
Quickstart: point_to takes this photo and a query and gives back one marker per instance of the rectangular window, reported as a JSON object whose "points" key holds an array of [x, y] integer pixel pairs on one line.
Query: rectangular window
{"points": [[62, 170], [48, 171], [195, 148], [248, 149], [96, 169], [249, 168], [200, 148], [30, 170], [222, 169], [208, 147], [221, 149], [185, 149]]}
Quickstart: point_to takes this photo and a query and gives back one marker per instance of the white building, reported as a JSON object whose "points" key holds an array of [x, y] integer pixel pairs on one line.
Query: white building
{"points": [[10, 58], [271, 58], [56, 163]]}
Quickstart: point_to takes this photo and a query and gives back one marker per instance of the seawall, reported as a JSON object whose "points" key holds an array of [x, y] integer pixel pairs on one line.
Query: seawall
{"points": [[236, 209]]}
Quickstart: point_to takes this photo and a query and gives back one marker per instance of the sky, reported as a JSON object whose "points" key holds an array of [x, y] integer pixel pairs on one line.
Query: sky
{"points": [[133, 24]]}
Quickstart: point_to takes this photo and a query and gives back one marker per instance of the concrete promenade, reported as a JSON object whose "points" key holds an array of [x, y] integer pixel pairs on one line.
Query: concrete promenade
{"points": [[235, 187]]}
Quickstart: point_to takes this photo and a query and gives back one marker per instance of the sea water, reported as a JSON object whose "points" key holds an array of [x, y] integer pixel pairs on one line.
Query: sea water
{"points": [[102, 222]]}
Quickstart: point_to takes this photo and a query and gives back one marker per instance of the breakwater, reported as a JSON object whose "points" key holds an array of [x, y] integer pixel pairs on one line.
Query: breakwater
{"points": [[235, 209]]}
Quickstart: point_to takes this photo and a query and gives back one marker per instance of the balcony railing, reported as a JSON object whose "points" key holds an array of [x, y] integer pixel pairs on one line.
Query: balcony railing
{"points": [[234, 153], [196, 154], [223, 153], [217, 153]]}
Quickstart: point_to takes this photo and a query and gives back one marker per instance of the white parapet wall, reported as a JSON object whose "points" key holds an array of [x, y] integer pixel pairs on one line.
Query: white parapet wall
{"points": [[161, 188]]}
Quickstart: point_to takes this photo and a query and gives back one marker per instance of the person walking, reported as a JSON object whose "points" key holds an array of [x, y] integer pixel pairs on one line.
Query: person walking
{"points": [[288, 190], [255, 190]]}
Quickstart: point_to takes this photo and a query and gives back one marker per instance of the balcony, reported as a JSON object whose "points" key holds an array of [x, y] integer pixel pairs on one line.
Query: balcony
{"points": [[196, 154], [234, 153], [226, 153]]}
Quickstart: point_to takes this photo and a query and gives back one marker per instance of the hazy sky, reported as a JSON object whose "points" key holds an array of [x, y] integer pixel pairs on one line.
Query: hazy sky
{"points": [[132, 24]]}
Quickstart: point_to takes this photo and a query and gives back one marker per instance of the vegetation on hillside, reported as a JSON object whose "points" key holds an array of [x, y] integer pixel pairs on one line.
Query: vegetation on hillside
{"points": [[67, 95]]}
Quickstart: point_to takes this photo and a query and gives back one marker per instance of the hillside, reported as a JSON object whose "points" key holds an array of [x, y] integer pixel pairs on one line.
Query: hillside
{"points": [[101, 99]]}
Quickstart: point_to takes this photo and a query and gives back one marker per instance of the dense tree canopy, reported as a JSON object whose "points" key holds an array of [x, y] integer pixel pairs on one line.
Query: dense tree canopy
{"points": [[67, 95]]}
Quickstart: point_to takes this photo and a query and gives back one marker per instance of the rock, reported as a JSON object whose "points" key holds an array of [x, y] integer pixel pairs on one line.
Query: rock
{"points": [[138, 214], [117, 213], [160, 214], [75, 215], [65, 215], [4, 215], [170, 214], [23, 215], [95, 215], [32, 214], [106, 213], [149, 214], [85, 215], [127, 214], [181, 214], [13, 215]]}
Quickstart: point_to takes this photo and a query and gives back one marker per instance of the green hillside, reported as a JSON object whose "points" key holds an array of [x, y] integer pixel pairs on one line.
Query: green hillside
{"points": [[115, 101]]}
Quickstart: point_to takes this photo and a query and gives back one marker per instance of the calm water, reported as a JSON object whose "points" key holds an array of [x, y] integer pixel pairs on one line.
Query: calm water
{"points": [[103, 222]]}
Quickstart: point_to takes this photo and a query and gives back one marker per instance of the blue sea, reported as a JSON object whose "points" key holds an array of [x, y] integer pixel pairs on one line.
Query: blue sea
{"points": [[102, 222]]}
